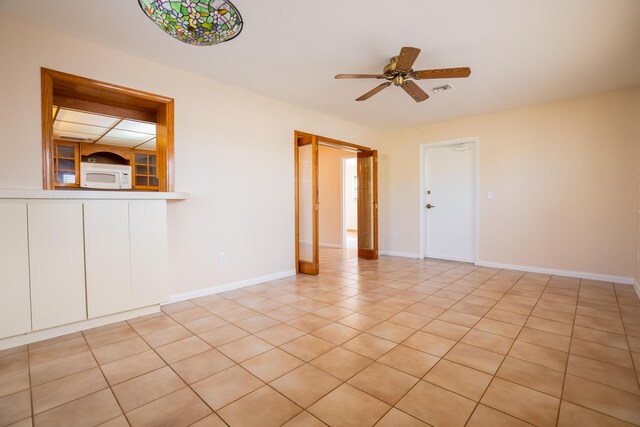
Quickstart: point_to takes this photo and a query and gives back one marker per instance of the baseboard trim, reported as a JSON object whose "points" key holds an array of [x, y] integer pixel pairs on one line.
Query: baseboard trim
{"points": [[400, 254], [636, 285], [58, 331], [229, 286], [446, 258], [579, 274]]}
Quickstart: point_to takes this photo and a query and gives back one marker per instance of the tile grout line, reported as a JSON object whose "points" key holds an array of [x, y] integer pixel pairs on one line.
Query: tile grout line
{"points": [[172, 370], [333, 286], [439, 358], [33, 415], [105, 380], [636, 369], [509, 350], [566, 366], [397, 344]]}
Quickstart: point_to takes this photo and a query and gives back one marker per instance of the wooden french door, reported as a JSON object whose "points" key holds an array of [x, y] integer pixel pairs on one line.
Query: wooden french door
{"points": [[368, 204], [308, 206], [306, 175]]}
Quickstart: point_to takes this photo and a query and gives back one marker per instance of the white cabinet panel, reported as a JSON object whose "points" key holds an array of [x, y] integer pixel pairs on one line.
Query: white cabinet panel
{"points": [[15, 301], [106, 228], [148, 238], [56, 254]]}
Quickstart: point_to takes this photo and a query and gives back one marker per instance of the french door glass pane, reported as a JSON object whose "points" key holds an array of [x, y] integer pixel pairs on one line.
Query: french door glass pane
{"points": [[305, 203], [365, 203]]}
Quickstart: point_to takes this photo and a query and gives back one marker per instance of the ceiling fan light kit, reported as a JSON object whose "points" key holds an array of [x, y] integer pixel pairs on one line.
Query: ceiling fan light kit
{"points": [[399, 72], [195, 22]]}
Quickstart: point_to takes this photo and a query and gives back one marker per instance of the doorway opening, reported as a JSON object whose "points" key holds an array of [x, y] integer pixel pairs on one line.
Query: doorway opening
{"points": [[331, 223], [449, 200], [350, 202], [336, 194]]}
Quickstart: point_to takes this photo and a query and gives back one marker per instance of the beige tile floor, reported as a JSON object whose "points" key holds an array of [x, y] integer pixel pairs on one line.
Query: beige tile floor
{"points": [[393, 342]]}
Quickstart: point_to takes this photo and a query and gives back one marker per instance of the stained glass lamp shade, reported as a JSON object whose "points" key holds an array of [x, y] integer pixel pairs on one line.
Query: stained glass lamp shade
{"points": [[198, 23]]}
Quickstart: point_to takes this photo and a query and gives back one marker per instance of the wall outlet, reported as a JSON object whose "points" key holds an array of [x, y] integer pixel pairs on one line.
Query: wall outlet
{"points": [[223, 258], [490, 195]]}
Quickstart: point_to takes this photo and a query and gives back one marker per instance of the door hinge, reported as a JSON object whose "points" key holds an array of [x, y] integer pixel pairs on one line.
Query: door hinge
{"points": [[375, 206], [317, 266], [317, 206]]}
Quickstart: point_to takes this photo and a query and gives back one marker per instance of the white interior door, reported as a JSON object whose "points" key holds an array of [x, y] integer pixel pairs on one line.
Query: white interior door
{"points": [[450, 202]]}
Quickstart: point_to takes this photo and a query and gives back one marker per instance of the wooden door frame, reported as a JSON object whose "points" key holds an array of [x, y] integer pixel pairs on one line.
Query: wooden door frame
{"points": [[306, 138], [81, 93]]}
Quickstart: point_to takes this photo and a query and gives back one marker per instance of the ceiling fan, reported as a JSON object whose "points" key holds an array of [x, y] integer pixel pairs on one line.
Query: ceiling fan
{"points": [[399, 72]]}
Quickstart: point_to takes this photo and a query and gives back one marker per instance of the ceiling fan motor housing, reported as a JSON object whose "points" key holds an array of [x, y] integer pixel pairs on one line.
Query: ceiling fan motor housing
{"points": [[398, 80]]}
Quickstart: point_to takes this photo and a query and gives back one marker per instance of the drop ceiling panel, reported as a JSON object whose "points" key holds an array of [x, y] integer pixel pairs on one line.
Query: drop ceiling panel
{"points": [[151, 145], [78, 128], [80, 117], [137, 126], [131, 136]]}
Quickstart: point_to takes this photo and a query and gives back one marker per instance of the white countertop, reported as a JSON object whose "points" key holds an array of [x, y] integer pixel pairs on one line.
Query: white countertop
{"points": [[90, 195]]}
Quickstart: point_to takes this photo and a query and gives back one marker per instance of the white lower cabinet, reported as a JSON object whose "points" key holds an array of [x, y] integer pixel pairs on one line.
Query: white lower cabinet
{"points": [[126, 255], [108, 262], [15, 303], [148, 246], [63, 261], [56, 257]]}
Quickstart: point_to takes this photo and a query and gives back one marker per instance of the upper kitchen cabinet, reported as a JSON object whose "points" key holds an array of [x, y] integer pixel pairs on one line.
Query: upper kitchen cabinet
{"points": [[145, 170], [66, 164], [121, 138]]}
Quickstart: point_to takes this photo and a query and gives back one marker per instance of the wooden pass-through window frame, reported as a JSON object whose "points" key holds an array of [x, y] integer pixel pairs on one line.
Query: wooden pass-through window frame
{"points": [[84, 94]]}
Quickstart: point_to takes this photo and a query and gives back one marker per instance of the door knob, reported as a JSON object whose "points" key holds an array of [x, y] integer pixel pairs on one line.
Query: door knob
{"points": [[429, 206]]}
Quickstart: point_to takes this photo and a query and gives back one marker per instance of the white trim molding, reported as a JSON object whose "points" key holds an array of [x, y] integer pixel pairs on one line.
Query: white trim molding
{"points": [[567, 273], [400, 254], [229, 286], [75, 327]]}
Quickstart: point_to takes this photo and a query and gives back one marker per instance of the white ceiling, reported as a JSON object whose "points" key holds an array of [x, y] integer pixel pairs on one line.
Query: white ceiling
{"points": [[520, 51]]}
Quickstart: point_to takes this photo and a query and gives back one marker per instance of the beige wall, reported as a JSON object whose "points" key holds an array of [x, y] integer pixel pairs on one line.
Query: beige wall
{"points": [[351, 203], [564, 176], [330, 188], [330, 193], [234, 152]]}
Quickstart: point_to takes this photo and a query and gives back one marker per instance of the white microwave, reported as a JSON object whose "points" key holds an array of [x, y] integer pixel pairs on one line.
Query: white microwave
{"points": [[105, 177]]}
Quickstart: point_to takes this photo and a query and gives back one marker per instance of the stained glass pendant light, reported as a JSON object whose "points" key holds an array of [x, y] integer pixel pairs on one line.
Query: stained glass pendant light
{"points": [[197, 22]]}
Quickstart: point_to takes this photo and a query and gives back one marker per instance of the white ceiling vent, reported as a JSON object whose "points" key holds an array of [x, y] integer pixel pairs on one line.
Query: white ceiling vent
{"points": [[442, 89]]}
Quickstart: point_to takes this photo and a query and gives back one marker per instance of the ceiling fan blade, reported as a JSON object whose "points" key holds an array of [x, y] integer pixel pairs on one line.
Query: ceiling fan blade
{"points": [[374, 91], [408, 56], [442, 73], [359, 76], [414, 91]]}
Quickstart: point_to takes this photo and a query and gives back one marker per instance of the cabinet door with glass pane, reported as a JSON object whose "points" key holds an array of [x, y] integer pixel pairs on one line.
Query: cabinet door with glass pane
{"points": [[145, 170], [66, 164]]}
